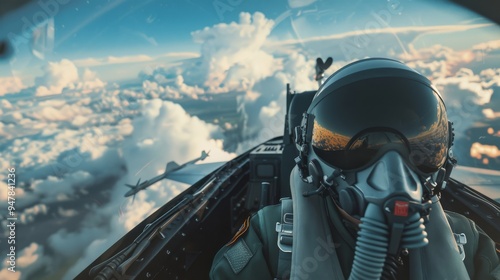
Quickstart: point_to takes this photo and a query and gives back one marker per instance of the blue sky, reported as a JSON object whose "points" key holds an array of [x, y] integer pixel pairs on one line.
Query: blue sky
{"points": [[123, 29], [97, 29]]}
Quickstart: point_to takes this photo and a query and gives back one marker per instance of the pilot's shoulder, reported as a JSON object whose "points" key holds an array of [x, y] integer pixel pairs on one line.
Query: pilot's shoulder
{"points": [[460, 222], [243, 256]]}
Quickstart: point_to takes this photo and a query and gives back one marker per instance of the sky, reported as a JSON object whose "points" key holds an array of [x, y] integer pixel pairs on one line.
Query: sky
{"points": [[101, 106]]}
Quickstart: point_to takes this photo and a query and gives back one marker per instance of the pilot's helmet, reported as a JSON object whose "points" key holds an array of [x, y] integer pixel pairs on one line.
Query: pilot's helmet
{"points": [[375, 105]]}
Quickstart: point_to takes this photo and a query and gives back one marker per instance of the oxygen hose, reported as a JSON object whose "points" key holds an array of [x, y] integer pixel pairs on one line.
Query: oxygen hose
{"points": [[371, 245], [414, 234], [370, 257]]}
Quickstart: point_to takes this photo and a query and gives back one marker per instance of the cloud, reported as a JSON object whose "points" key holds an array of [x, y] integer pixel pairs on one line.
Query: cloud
{"points": [[467, 87], [231, 54], [65, 112], [6, 274], [59, 189], [479, 151], [5, 104], [71, 244], [165, 125], [490, 114], [174, 90], [30, 260], [140, 58], [90, 81], [57, 77], [437, 60], [490, 46], [29, 214], [61, 165], [57, 159], [234, 58], [64, 75], [89, 62], [180, 55], [10, 85]]}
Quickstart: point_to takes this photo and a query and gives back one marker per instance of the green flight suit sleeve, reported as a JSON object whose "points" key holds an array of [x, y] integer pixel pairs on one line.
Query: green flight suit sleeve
{"points": [[252, 255], [481, 259]]}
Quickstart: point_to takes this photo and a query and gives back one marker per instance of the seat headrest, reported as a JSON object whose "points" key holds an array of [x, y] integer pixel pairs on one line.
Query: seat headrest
{"points": [[299, 105]]}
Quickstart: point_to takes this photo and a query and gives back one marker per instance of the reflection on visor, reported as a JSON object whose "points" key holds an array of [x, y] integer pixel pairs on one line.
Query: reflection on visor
{"points": [[350, 137], [423, 153]]}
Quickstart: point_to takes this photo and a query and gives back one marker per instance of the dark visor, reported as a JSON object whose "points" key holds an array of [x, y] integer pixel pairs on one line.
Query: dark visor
{"points": [[356, 122]]}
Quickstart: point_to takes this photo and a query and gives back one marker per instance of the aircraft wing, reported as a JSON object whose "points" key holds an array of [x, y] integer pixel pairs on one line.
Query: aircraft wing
{"points": [[485, 181], [171, 166], [192, 173]]}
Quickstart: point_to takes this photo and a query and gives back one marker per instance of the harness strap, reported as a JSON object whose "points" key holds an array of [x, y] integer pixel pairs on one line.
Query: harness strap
{"points": [[285, 237]]}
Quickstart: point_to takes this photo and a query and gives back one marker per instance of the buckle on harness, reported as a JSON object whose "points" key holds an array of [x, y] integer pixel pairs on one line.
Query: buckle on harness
{"points": [[285, 227], [285, 236], [461, 239]]}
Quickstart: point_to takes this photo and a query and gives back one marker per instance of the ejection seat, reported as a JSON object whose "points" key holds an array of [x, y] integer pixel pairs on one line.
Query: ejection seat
{"points": [[297, 105]]}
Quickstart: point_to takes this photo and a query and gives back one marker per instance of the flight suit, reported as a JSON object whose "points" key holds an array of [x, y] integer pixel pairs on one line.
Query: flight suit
{"points": [[253, 253]]}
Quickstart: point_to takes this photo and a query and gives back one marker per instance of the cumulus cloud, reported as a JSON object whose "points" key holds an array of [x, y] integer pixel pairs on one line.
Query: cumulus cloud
{"points": [[64, 75], [57, 77], [235, 58], [30, 260], [90, 81], [10, 85], [232, 57]]}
